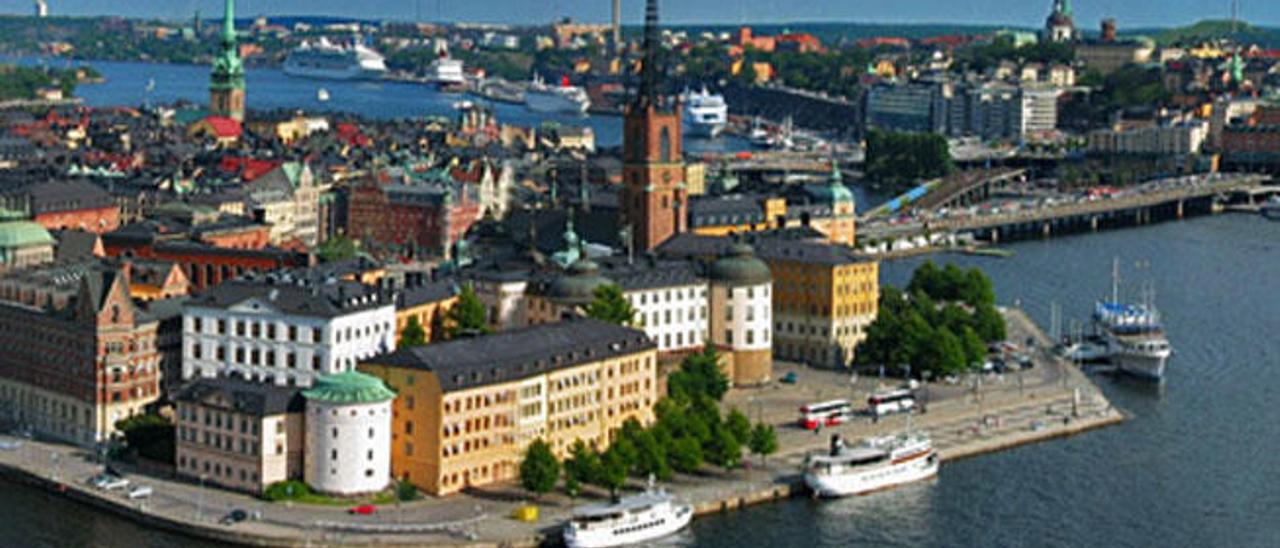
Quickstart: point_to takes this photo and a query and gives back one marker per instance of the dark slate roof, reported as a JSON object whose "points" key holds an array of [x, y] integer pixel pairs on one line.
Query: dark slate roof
{"points": [[429, 292], [733, 209], [782, 248], [66, 195], [318, 300], [75, 245], [240, 396], [518, 354], [163, 310], [649, 272]]}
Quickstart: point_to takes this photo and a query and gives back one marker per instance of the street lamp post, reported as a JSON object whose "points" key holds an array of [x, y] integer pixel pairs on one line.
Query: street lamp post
{"points": [[200, 500]]}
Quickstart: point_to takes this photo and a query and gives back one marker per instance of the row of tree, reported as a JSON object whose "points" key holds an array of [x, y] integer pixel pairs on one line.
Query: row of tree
{"points": [[941, 325], [690, 431], [898, 162]]}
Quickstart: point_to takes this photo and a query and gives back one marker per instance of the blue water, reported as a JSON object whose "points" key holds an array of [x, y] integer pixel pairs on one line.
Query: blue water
{"points": [[270, 89]]}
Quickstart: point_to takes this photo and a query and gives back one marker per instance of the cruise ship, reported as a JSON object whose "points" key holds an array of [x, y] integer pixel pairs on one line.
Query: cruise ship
{"points": [[446, 73], [324, 59], [634, 519], [562, 99], [705, 113], [1135, 339], [873, 465]]}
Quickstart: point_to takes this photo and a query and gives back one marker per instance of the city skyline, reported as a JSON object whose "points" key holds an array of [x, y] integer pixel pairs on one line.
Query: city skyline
{"points": [[980, 12]]}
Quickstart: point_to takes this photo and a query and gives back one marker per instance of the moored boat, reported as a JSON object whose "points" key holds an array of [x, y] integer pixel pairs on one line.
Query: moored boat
{"points": [[327, 60], [705, 114], [563, 99], [873, 465], [633, 519]]}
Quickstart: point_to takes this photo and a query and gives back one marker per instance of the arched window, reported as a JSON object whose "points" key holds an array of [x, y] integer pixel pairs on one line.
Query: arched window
{"points": [[665, 143]]}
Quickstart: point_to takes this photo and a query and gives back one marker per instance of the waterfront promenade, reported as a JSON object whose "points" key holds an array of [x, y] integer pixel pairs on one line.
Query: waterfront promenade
{"points": [[973, 416]]}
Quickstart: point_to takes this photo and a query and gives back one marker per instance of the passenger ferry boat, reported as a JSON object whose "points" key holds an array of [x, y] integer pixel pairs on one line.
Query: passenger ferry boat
{"points": [[632, 520], [447, 74], [705, 113], [873, 465], [324, 59], [1135, 339], [562, 99]]}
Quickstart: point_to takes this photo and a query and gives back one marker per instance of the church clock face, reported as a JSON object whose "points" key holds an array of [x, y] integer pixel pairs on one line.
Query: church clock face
{"points": [[666, 176]]}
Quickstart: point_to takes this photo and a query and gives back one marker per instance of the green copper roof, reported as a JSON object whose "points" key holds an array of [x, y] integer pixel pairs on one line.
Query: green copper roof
{"points": [[839, 192], [349, 387], [22, 233], [579, 285], [228, 69], [741, 267]]}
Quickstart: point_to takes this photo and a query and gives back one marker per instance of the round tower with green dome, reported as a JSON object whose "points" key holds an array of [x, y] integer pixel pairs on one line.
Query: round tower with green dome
{"points": [[23, 242], [348, 434]]}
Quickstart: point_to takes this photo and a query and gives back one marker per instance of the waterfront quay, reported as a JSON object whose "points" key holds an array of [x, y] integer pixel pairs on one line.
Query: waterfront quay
{"points": [[973, 415]]}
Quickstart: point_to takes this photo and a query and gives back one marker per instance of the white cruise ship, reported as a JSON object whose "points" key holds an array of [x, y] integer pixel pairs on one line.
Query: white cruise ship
{"points": [[875, 464], [632, 520], [1136, 343], [562, 99], [324, 59], [705, 113], [447, 73]]}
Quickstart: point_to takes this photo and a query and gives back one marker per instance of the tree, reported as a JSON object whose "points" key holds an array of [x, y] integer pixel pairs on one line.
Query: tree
{"points": [[763, 440], [539, 470], [613, 470], [610, 306], [699, 374], [975, 351], [685, 455], [467, 315], [977, 290], [899, 162], [989, 324], [413, 334], [151, 436], [406, 491], [582, 467], [337, 248], [723, 450], [738, 425]]}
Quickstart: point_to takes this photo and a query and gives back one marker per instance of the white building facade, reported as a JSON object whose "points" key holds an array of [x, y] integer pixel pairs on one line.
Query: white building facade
{"points": [[286, 334]]}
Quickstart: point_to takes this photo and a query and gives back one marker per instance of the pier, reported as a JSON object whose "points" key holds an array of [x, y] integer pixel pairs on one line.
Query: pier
{"points": [[974, 415]]}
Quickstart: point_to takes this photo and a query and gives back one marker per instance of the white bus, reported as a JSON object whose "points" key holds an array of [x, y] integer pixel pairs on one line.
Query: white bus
{"points": [[893, 401], [827, 413]]}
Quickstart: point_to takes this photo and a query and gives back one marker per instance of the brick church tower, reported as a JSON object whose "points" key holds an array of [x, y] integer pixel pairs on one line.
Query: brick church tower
{"points": [[655, 202]]}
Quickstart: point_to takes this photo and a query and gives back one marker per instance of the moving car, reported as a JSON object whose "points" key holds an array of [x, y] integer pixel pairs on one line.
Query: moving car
{"points": [[363, 510], [233, 517]]}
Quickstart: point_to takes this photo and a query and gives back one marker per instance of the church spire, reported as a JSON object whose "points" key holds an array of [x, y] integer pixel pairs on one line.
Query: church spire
{"points": [[229, 25], [649, 70], [226, 81]]}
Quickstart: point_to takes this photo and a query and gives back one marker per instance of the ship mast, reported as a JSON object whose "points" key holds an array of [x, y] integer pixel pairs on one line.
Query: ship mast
{"points": [[1115, 279]]}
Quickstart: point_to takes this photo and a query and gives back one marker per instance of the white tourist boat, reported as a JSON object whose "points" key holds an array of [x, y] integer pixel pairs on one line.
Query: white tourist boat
{"points": [[1135, 338], [447, 74], [322, 95], [562, 99], [1271, 209], [634, 519], [324, 59], [705, 113], [873, 465]]}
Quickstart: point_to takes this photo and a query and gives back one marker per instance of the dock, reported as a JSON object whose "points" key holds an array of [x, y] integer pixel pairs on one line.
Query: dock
{"points": [[970, 417]]}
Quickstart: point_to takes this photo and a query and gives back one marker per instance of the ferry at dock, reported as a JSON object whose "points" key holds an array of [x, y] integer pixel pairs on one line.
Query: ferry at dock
{"points": [[447, 74], [1134, 337], [873, 465], [563, 99], [634, 519]]}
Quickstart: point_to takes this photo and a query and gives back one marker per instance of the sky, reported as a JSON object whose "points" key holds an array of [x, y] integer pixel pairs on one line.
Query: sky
{"points": [[1029, 13]]}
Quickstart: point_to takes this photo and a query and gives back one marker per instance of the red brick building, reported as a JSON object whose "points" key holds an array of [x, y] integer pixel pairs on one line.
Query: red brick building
{"points": [[72, 372], [1256, 144], [411, 220], [63, 205]]}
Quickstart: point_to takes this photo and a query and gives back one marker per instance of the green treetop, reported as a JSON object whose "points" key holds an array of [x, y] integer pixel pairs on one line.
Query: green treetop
{"points": [[539, 470], [467, 315], [611, 306]]}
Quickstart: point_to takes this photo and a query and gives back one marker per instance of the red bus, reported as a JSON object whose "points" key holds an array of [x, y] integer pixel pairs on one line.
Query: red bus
{"points": [[828, 413]]}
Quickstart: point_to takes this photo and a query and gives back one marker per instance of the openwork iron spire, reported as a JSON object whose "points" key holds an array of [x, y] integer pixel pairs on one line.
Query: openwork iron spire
{"points": [[649, 76]]}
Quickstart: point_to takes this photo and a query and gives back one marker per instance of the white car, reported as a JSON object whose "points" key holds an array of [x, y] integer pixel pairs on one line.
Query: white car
{"points": [[139, 492]]}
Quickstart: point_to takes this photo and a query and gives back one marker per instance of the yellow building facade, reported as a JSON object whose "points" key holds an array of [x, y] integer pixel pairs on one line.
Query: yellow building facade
{"points": [[824, 299], [467, 409]]}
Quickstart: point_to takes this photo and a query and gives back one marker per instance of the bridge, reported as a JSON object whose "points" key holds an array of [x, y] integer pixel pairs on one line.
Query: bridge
{"points": [[957, 190], [1090, 215]]}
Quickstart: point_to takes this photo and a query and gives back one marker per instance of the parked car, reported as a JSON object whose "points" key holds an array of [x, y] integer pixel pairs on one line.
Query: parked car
{"points": [[363, 510], [140, 492], [789, 378], [108, 482], [233, 517]]}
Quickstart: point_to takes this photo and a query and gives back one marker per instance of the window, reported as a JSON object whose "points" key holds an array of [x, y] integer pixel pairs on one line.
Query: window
{"points": [[728, 336], [664, 142], [408, 428], [293, 333], [333, 454], [370, 433]]}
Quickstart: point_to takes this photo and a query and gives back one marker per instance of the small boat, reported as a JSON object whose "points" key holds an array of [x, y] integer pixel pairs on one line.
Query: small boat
{"points": [[1088, 350], [322, 95], [759, 135], [1271, 209], [634, 519], [873, 465]]}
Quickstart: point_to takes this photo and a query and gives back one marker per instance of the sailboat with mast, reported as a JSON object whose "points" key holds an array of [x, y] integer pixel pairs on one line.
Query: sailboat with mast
{"points": [[1135, 337]]}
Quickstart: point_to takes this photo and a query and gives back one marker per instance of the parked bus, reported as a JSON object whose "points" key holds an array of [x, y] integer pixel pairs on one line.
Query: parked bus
{"points": [[893, 401], [827, 413]]}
